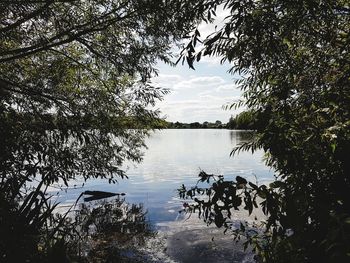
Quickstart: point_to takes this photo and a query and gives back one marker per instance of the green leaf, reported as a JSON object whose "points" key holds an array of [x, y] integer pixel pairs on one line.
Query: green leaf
{"points": [[219, 219], [241, 180]]}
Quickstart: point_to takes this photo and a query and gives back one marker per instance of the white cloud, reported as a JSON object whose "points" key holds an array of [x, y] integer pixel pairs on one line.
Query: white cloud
{"points": [[206, 29], [199, 82], [176, 82], [206, 107], [181, 104], [211, 61], [168, 77], [196, 98], [166, 80], [198, 95], [227, 87]]}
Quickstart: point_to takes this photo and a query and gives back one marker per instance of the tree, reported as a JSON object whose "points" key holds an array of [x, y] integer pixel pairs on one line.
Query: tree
{"points": [[74, 101], [293, 57], [218, 124], [243, 121], [231, 123], [195, 125]]}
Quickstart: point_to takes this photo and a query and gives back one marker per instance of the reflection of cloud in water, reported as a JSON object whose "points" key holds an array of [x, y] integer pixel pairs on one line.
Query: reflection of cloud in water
{"points": [[175, 157]]}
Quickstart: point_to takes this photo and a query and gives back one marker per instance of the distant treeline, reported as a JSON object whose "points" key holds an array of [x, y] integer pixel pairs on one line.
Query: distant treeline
{"points": [[196, 125], [243, 121]]}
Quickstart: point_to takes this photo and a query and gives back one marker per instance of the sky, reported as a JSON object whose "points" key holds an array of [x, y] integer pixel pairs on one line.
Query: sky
{"points": [[200, 94]]}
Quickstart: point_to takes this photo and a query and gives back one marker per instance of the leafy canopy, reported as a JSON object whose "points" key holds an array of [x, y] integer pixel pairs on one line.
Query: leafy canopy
{"points": [[293, 58], [75, 100]]}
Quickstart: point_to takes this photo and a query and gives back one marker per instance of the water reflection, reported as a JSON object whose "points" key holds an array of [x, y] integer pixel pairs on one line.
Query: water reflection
{"points": [[238, 137], [175, 157], [109, 231]]}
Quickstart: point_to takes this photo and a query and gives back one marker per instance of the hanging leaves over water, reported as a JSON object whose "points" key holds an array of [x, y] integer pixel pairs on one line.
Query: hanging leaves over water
{"points": [[291, 61], [75, 101]]}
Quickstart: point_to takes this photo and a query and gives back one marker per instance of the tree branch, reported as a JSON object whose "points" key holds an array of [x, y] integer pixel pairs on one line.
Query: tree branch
{"points": [[26, 18], [24, 52], [27, 91]]}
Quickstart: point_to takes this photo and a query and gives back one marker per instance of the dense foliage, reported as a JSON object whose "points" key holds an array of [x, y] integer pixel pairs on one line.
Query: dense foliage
{"points": [[245, 120], [294, 60], [74, 78]]}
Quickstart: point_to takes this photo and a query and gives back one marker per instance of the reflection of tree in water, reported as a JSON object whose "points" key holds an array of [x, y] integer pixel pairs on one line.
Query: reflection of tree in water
{"points": [[110, 231], [241, 136]]}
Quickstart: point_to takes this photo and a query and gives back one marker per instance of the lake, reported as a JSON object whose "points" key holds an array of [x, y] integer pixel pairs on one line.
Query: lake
{"points": [[175, 157]]}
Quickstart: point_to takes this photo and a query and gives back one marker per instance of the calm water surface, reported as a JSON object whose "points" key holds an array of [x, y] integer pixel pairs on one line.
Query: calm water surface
{"points": [[175, 157]]}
